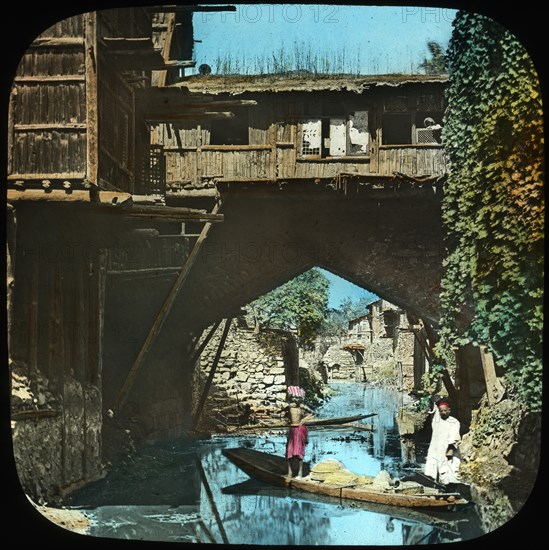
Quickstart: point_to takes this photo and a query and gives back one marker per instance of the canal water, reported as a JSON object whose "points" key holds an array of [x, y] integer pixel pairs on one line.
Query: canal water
{"points": [[186, 490]]}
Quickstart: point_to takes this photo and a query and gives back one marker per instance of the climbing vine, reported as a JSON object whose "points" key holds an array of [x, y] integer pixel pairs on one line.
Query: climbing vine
{"points": [[493, 208]]}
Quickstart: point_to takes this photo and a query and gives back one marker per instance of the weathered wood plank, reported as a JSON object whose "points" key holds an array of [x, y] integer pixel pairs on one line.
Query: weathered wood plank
{"points": [[103, 197], [52, 78], [190, 115], [58, 41], [159, 77], [266, 147], [46, 175], [494, 388], [50, 126], [92, 150]]}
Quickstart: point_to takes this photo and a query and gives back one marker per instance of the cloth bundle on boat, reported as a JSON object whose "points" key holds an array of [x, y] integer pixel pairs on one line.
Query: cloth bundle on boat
{"points": [[333, 471], [296, 391]]}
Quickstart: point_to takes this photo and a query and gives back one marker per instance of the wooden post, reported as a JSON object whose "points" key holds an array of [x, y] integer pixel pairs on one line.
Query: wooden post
{"points": [[206, 390], [494, 388], [33, 326], [11, 130], [167, 47], [90, 40], [164, 311], [11, 242], [56, 360], [198, 352]]}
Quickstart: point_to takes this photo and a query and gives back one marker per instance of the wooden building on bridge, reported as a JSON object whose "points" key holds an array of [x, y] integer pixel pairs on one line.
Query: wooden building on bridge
{"points": [[344, 130]]}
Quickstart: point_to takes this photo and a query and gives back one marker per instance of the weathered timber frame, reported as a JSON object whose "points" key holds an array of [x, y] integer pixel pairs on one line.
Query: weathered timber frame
{"points": [[164, 311]]}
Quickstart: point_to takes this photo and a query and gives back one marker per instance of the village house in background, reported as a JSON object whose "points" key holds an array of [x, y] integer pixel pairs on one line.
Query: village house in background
{"points": [[383, 344]]}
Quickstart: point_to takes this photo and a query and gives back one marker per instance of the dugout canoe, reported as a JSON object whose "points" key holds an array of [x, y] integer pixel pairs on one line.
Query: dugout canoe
{"points": [[272, 469]]}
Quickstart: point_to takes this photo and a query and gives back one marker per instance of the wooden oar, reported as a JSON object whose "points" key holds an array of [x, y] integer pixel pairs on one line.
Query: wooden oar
{"points": [[311, 424]]}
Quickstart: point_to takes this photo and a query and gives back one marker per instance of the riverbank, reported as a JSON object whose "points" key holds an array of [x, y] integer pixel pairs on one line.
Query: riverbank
{"points": [[70, 519]]}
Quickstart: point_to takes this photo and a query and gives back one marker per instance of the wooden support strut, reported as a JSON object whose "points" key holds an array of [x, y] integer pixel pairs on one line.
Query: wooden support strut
{"points": [[206, 390], [198, 351], [164, 311]]}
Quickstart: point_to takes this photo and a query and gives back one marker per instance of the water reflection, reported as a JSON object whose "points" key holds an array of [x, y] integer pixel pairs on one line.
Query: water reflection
{"points": [[170, 498]]}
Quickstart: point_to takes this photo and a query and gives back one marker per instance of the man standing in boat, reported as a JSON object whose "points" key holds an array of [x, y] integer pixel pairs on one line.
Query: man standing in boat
{"points": [[298, 434], [443, 456]]}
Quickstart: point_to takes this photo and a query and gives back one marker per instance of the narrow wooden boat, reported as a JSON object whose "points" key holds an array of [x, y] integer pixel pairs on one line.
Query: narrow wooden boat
{"points": [[272, 469]]}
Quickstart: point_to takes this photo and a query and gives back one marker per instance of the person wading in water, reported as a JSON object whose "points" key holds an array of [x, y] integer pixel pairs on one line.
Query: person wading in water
{"points": [[297, 435]]}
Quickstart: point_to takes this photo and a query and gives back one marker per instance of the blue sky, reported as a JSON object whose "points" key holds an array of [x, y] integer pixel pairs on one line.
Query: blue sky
{"points": [[341, 288], [373, 39]]}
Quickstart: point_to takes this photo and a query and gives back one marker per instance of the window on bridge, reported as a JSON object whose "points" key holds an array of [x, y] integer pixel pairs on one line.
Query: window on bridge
{"points": [[337, 132], [231, 131], [411, 120]]}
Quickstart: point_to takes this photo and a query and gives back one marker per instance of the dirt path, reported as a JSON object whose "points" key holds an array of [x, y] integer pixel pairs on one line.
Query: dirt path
{"points": [[73, 520]]}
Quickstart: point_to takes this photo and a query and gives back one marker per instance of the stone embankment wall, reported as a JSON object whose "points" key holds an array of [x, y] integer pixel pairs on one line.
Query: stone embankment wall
{"points": [[251, 378], [339, 364]]}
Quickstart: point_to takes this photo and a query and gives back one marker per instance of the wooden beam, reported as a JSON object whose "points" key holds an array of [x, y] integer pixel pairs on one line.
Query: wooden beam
{"points": [[58, 41], [166, 117], [78, 126], [39, 195], [125, 43], [494, 388], [167, 47], [236, 147], [48, 176], [145, 272], [145, 59], [11, 126], [198, 351], [193, 193], [92, 116], [53, 78], [164, 311], [179, 64], [156, 97], [173, 213], [206, 390]]}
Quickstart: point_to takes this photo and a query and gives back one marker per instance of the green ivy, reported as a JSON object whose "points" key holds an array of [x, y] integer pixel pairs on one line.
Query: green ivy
{"points": [[493, 208]]}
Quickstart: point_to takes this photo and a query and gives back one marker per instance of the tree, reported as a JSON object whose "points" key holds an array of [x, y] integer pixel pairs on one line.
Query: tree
{"points": [[493, 205], [437, 63], [300, 305]]}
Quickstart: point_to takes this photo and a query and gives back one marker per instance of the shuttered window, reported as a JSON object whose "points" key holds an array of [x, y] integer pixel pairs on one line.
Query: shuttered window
{"points": [[340, 136]]}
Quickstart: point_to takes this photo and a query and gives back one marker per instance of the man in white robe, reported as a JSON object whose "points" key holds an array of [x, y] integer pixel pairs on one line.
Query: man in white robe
{"points": [[442, 461]]}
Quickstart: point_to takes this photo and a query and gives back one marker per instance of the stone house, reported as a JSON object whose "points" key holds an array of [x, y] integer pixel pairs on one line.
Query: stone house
{"points": [[379, 343]]}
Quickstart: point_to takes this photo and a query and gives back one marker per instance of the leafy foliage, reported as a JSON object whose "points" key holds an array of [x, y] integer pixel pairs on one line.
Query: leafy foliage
{"points": [[493, 209], [437, 63], [299, 304]]}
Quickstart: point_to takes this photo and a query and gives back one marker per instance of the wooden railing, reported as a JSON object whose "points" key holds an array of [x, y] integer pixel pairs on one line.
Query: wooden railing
{"points": [[281, 160]]}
